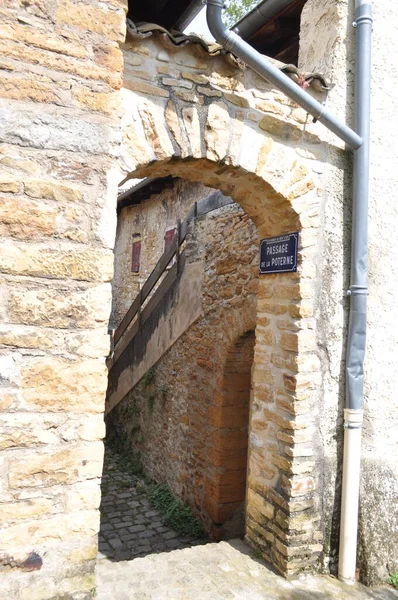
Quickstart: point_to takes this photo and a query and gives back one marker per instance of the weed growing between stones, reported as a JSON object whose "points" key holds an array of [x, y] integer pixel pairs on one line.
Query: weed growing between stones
{"points": [[151, 401], [393, 580], [256, 553], [175, 514], [148, 378], [128, 460]]}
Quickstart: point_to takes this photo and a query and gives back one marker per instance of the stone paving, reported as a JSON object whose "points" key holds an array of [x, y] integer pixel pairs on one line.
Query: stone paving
{"points": [[129, 526], [171, 567]]}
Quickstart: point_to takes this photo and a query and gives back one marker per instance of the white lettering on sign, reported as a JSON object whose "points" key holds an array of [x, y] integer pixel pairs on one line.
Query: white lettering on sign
{"points": [[282, 260], [277, 249]]}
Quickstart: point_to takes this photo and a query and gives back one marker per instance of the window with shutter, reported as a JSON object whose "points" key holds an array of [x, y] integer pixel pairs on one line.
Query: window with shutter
{"points": [[135, 259]]}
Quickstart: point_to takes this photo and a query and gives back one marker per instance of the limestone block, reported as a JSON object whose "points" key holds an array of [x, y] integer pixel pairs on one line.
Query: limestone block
{"points": [[8, 184], [14, 161], [60, 307], [155, 131], [135, 147], [109, 55], [192, 126], [55, 384], [28, 88], [195, 77], [93, 344], [173, 123], [66, 261], [20, 32], [206, 91], [145, 88], [177, 83], [92, 18], [244, 100], [189, 97], [85, 495], [48, 127], [27, 509], [67, 466], [264, 508], [25, 219], [217, 131], [61, 62], [21, 430], [55, 529], [9, 369]]}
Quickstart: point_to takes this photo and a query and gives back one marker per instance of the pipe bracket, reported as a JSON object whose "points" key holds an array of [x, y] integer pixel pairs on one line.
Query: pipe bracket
{"points": [[357, 290]]}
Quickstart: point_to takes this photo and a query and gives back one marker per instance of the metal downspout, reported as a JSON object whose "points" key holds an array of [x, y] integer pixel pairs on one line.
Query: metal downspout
{"points": [[353, 413], [234, 44]]}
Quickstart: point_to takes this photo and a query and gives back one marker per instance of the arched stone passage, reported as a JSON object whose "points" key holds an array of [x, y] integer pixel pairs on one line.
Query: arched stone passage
{"points": [[225, 488], [250, 153]]}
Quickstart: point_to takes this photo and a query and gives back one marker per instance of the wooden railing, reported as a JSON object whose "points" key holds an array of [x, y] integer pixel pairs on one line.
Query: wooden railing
{"points": [[144, 303]]}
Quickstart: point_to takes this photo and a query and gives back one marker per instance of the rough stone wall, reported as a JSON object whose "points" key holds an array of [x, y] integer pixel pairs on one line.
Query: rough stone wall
{"points": [[327, 44], [149, 219], [59, 128], [178, 420]]}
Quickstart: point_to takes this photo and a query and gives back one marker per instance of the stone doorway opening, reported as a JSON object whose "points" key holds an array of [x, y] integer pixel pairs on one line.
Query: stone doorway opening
{"points": [[185, 420], [225, 489]]}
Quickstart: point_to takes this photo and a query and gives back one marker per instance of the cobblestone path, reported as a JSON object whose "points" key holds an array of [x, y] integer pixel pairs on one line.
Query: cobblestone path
{"points": [[129, 526], [224, 571], [140, 559]]}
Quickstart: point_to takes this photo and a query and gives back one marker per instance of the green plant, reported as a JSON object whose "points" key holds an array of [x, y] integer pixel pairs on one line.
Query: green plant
{"points": [[393, 580], [149, 376], [237, 9], [131, 463], [175, 514], [163, 390], [256, 553], [122, 485], [151, 401]]}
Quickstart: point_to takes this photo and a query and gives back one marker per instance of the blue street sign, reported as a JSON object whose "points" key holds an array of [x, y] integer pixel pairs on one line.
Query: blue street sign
{"points": [[279, 254]]}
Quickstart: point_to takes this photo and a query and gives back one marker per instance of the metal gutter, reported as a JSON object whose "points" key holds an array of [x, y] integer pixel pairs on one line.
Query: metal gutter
{"points": [[234, 44], [259, 16], [359, 142]]}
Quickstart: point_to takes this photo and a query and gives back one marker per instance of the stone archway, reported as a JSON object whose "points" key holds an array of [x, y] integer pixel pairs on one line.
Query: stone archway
{"points": [[251, 156]]}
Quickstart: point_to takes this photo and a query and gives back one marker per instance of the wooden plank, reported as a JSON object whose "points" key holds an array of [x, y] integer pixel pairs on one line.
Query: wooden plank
{"points": [[159, 269], [128, 317], [148, 309], [178, 243], [130, 335], [159, 293], [146, 312], [184, 225]]}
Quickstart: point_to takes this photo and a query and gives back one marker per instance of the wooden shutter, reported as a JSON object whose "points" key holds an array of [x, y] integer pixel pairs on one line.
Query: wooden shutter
{"points": [[135, 259], [168, 236]]}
